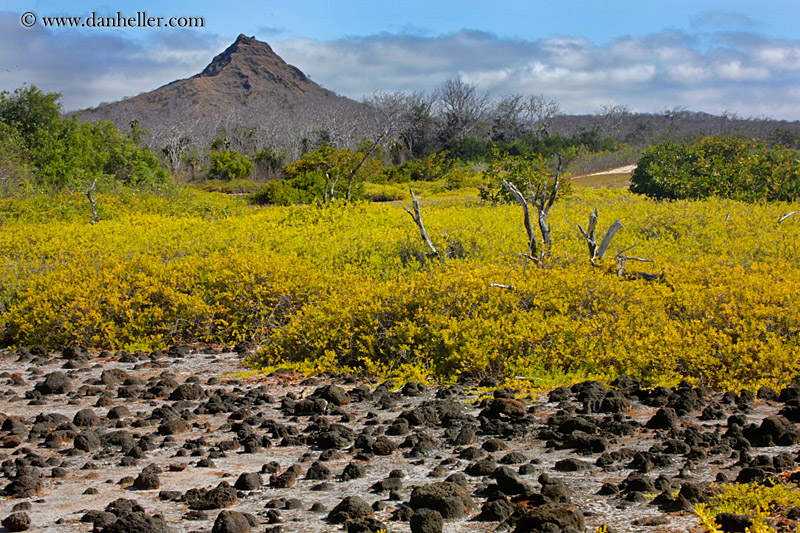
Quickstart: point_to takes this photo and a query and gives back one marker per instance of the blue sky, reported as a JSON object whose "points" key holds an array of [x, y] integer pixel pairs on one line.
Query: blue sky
{"points": [[732, 56]]}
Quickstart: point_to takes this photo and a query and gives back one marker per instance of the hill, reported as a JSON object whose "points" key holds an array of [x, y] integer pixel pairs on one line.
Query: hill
{"points": [[243, 87]]}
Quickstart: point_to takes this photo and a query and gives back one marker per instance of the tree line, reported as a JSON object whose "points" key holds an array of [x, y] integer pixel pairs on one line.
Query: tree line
{"points": [[457, 118], [405, 131]]}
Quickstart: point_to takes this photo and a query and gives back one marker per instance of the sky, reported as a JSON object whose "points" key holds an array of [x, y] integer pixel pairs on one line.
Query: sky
{"points": [[733, 56]]}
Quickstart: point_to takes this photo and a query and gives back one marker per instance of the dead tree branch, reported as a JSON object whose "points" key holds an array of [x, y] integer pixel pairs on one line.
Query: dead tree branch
{"points": [[597, 252], [543, 205], [95, 216], [417, 216], [787, 215], [533, 256], [623, 273], [502, 286]]}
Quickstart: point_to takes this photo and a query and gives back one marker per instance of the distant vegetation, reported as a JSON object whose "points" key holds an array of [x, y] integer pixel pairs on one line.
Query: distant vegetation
{"points": [[454, 137], [41, 151]]}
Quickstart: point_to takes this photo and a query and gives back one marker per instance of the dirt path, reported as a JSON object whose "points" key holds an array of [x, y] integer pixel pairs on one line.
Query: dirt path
{"points": [[627, 169]]}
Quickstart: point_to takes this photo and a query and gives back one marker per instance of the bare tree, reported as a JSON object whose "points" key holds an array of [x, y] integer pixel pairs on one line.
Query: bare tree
{"points": [[540, 112], [543, 203], [597, 252], [418, 124], [509, 121], [612, 118], [463, 108]]}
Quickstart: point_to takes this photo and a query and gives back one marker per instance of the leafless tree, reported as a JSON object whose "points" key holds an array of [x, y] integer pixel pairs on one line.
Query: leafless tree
{"points": [[509, 118], [612, 118], [463, 108], [543, 203], [417, 216], [540, 112]]}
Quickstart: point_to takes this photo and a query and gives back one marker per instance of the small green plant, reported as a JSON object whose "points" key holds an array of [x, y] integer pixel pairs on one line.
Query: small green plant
{"points": [[230, 165], [762, 502], [432, 167], [40, 151], [526, 173]]}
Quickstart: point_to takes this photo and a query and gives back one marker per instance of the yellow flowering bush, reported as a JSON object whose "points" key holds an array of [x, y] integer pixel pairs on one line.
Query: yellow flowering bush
{"points": [[762, 502], [349, 285]]}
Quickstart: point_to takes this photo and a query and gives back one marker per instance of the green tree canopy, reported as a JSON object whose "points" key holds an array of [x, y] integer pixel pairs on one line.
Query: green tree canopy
{"points": [[718, 166], [46, 151], [230, 165]]}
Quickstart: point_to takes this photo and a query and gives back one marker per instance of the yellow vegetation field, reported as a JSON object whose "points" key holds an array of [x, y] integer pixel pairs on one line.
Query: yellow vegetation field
{"points": [[350, 285]]}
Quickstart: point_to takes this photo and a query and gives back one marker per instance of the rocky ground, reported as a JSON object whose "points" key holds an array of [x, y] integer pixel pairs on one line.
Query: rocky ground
{"points": [[174, 441]]}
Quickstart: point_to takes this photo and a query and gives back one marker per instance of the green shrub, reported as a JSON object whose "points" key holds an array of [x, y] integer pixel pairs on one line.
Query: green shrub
{"points": [[384, 192], [432, 167], [283, 192], [326, 174], [527, 173], [46, 152], [230, 165], [718, 166]]}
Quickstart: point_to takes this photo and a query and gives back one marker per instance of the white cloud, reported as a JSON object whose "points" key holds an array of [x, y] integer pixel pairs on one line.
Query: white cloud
{"points": [[736, 71], [688, 73], [739, 71], [648, 72], [783, 57]]}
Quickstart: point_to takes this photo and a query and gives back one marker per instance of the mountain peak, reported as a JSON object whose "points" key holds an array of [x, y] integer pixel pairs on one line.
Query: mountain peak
{"points": [[246, 80], [242, 47]]}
